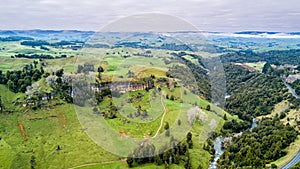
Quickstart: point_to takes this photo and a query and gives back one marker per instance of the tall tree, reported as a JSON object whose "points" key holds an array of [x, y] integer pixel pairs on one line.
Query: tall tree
{"points": [[1, 105], [267, 68], [129, 161], [189, 139]]}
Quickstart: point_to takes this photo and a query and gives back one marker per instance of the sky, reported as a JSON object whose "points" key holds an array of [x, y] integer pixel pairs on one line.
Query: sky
{"points": [[205, 15]]}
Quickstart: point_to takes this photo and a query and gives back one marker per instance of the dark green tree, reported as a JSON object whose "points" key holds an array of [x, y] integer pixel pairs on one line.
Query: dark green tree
{"points": [[1, 105], [267, 69], [167, 126], [129, 161], [225, 117], [189, 139], [208, 108], [59, 72]]}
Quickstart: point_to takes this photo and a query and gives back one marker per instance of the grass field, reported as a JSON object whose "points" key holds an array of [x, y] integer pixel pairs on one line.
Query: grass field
{"points": [[258, 65], [46, 130], [292, 118], [14, 64], [55, 137], [122, 165]]}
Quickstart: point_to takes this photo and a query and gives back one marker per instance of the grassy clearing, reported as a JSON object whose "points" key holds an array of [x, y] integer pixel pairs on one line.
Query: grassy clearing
{"points": [[8, 98], [68, 64], [258, 65], [121, 165], [45, 133], [115, 165], [14, 63], [197, 154], [278, 108], [292, 118], [149, 102], [192, 59]]}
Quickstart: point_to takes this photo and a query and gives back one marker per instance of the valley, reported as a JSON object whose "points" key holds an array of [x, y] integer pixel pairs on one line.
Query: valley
{"points": [[77, 99]]}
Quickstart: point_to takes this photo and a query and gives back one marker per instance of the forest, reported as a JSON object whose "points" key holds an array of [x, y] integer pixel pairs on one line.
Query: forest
{"points": [[277, 57], [252, 94], [259, 147], [14, 38]]}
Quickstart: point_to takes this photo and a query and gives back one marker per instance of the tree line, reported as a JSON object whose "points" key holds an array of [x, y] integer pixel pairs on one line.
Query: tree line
{"points": [[14, 38], [19, 80], [38, 56], [177, 154], [277, 57], [35, 43]]}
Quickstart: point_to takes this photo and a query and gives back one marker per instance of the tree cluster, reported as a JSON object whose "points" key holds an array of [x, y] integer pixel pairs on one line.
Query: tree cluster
{"points": [[18, 80], [266, 143], [277, 57], [38, 56], [14, 38], [147, 153]]}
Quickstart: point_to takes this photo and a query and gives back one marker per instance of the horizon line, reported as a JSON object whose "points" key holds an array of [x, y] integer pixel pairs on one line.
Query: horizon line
{"points": [[179, 31]]}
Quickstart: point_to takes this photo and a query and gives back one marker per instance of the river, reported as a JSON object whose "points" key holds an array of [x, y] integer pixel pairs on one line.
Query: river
{"points": [[218, 152], [218, 146], [218, 141], [292, 91]]}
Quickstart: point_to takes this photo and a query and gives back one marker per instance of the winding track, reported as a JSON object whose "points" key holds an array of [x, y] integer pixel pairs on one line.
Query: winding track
{"points": [[294, 161], [162, 118], [124, 160], [106, 162]]}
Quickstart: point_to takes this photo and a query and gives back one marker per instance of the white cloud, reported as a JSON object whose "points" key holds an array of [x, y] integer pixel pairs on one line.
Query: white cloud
{"points": [[212, 15]]}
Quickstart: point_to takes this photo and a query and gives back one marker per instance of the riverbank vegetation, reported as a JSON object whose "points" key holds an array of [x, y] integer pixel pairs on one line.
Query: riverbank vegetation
{"points": [[252, 94], [259, 147]]}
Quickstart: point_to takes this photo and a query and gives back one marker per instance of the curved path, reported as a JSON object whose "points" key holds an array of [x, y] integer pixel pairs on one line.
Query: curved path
{"points": [[294, 161], [162, 118], [124, 160], [106, 162]]}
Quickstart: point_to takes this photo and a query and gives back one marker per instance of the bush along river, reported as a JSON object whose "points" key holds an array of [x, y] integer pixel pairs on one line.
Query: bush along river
{"points": [[221, 141], [296, 158]]}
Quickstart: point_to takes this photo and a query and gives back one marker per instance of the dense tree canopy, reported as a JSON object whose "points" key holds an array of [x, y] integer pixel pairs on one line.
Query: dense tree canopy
{"points": [[252, 93], [18, 80], [263, 145], [277, 57]]}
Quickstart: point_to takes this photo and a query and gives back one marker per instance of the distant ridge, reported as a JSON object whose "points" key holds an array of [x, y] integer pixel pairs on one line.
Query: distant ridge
{"points": [[49, 31], [48, 34], [256, 32], [39, 34], [265, 32]]}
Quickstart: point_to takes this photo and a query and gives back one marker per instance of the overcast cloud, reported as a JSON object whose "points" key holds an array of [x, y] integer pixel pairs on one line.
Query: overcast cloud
{"points": [[208, 15]]}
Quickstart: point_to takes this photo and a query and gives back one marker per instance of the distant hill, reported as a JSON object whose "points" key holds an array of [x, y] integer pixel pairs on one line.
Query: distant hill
{"points": [[48, 34]]}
